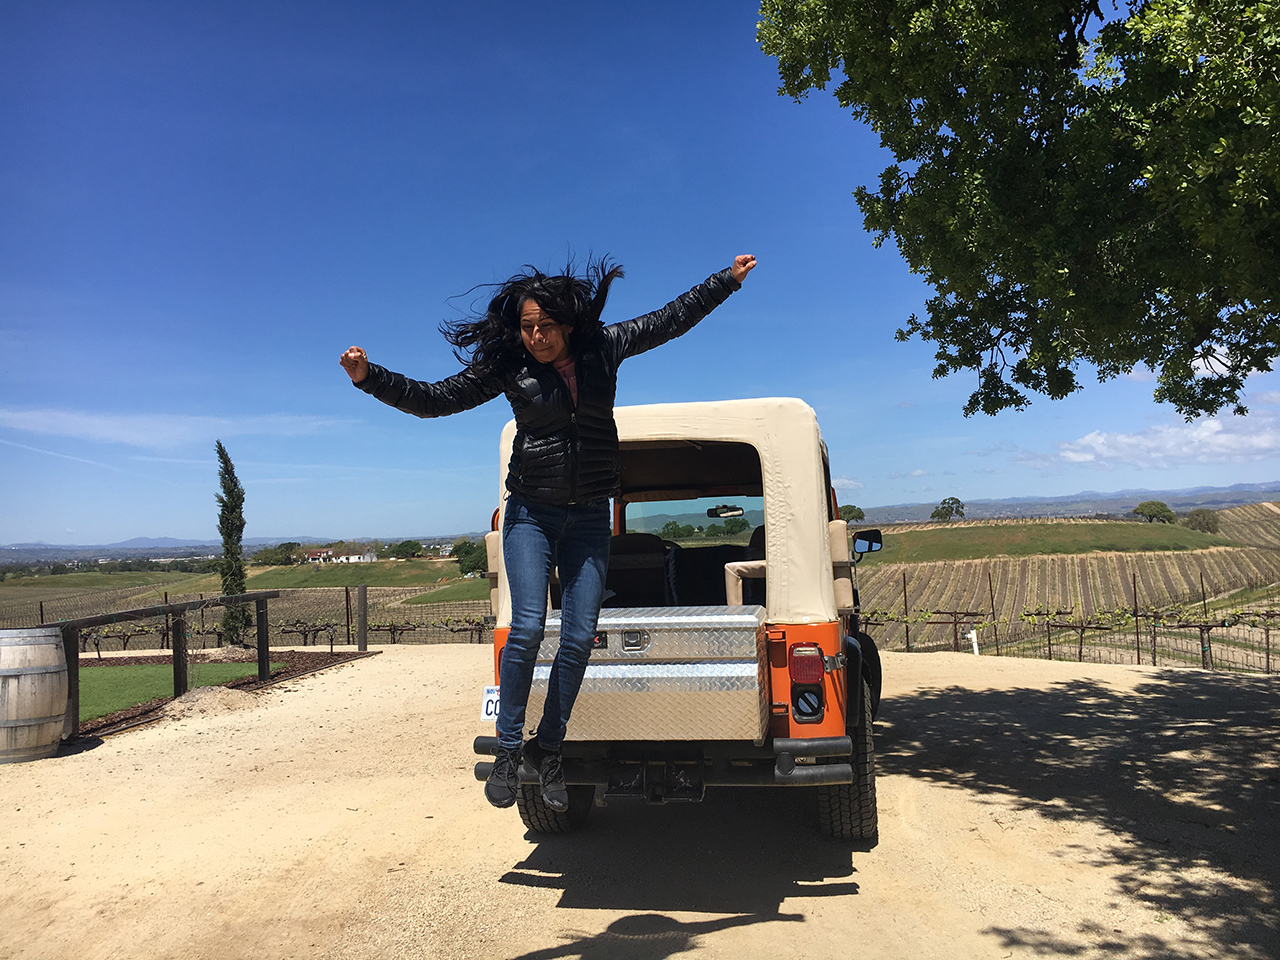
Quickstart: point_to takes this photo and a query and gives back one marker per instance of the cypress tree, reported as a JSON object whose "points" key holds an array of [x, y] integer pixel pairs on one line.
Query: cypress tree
{"points": [[235, 619]]}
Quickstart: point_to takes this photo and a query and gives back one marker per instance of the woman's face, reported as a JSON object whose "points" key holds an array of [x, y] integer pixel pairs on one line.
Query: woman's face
{"points": [[547, 340]]}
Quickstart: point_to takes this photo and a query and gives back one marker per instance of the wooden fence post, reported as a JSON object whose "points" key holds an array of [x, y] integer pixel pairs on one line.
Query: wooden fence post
{"points": [[71, 644], [1049, 637], [264, 648], [1206, 650], [995, 627], [181, 679], [1137, 630], [362, 618], [1266, 639], [906, 615], [347, 590]]}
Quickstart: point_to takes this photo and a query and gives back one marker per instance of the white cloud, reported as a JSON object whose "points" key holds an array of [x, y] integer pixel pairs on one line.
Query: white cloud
{"points": [[1269, 399], [918, 473], [207, 462], [158, 430], [63, 456], [1036, 460], [1210, 440], [1000, 446], [844, 483]]}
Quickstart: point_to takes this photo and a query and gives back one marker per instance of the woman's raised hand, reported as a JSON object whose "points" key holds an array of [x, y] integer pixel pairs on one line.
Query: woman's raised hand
{"points": [[742, 265], [356, 362]]}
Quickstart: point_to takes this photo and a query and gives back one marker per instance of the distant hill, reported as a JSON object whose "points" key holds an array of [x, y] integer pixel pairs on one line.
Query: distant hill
{"points": [[145, 548], [1084, 504], [1088, 503]]}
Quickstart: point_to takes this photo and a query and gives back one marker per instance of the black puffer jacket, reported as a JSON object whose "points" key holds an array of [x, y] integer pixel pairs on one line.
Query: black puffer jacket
{"points": [[561, 454]]}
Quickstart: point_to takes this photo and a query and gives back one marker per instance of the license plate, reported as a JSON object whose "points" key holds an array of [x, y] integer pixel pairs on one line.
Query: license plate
{"points": [[489, 705]]}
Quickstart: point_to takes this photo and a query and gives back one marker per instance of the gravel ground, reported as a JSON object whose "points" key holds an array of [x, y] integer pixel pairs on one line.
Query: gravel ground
{"points": [[295, 663], [1027, 809]]}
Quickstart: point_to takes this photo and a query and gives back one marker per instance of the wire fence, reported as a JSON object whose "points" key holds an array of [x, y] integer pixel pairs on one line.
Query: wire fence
{"points": [[1226, 624], [30, 613], [1204, 628], [300, 617], [1213, 644]]}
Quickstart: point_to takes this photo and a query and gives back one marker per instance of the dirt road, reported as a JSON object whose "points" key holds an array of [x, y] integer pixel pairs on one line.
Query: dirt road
{"points": [[1027, 809]]}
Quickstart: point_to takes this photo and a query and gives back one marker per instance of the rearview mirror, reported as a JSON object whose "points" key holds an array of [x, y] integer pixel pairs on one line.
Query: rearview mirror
{"points": [[724, 511], [866, 541]]}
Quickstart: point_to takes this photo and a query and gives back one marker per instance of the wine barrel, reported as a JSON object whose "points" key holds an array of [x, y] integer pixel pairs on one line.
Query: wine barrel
{"points": [[33, 693]]}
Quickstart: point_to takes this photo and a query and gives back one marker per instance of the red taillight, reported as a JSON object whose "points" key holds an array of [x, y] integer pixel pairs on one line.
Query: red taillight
{"points": [[805, 663]]}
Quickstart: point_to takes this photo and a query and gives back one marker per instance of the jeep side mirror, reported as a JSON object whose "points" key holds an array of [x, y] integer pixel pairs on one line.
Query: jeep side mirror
{"points": [[866, 541]]}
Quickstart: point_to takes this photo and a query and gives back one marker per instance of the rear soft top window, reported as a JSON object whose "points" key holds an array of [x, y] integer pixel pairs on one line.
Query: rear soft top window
{"points": [[672, 469]]}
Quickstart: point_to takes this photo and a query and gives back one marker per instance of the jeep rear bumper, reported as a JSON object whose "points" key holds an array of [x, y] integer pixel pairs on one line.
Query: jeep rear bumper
{"points": [[662, 771]]}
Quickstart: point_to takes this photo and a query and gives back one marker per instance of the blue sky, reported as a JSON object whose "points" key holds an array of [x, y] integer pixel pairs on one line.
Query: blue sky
{"points": [[202, 205]]}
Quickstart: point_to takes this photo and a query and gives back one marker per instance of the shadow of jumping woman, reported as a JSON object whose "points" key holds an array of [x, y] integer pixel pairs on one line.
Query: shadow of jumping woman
{"points": [[649, 936]]}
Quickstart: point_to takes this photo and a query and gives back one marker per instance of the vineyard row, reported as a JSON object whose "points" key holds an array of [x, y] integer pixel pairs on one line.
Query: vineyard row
{"points": [[1083, 585], [300, 616]]}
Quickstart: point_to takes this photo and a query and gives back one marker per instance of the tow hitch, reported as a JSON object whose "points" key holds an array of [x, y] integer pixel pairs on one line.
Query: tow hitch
{"points": [[656, 782]]}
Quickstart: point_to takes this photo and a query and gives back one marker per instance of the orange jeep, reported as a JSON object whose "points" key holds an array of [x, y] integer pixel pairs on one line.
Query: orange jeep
{"points": [[728, 651]]}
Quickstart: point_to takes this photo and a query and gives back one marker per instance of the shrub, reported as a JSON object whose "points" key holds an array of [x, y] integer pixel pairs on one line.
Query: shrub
{"points": [[1204, 520]]}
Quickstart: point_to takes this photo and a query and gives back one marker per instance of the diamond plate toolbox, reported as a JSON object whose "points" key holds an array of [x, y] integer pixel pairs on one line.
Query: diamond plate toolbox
{"points": [[666, 673]]}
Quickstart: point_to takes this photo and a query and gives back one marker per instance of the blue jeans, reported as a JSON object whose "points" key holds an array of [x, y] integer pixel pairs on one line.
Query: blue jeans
{"points": [[536, 536]]}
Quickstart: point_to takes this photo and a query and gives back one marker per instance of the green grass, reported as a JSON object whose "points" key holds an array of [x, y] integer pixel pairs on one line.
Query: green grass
{"points": [[105, 690], [1257, 597], [70, 584], [1027, 539], [475, 589], [383, 573]]}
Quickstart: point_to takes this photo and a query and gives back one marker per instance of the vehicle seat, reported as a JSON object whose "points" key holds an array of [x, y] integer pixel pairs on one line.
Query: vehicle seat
{"points": [[700, 573], [641, 571]]}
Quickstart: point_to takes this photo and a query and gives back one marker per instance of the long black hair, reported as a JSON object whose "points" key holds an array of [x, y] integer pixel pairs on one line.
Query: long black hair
{"points": [[491, 342]]}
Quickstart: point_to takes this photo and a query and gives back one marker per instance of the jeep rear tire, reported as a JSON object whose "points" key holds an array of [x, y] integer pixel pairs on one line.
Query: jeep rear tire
{"points": [[540, 818], [847, 811]]}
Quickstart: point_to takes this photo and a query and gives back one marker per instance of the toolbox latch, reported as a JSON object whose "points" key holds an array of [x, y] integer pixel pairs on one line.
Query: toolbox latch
{"points": [[635, 640]]}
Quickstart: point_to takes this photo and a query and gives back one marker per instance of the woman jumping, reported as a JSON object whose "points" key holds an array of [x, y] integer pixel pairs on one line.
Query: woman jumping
{"points": [[541, 343]]}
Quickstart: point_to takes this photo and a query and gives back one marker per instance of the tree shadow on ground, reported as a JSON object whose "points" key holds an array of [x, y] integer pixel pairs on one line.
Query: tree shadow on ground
{"points": [[1185, 770]]}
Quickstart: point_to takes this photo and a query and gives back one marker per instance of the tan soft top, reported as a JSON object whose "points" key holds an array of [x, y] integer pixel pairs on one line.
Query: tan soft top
{"points": [[785, 433]]}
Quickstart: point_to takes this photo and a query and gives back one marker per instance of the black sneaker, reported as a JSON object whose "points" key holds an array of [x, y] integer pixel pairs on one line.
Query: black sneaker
{"points": [[504, 780], [550, 775]]}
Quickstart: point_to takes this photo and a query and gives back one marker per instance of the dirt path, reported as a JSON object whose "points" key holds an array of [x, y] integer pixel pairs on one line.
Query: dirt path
{"points": [[1027, 809]]}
